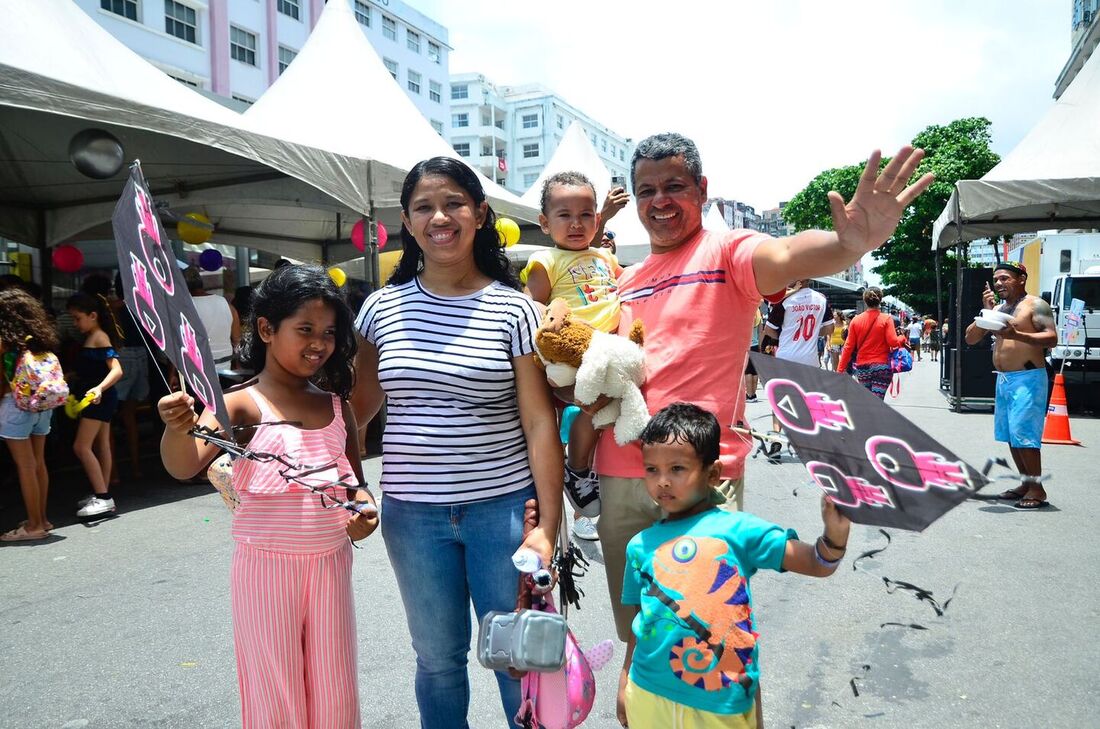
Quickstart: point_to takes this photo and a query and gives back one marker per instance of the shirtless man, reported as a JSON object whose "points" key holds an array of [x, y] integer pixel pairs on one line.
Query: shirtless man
{"points": [[1018, 356]]}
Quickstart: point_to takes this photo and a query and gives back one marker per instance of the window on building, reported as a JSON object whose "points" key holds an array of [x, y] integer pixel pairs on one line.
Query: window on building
{"points": [[185, 81], [530, 179], [463, 149], [179, 20], [435, 91], [290, 8], [362, 13], [460, 120], [286, 55], [243, 100], [242, 45], [414, 81], [391, 66], [459, 91], [561, 122], [622, 156], [1065, 261], [389, 28], [435, 55], [604, 145], [437, 126], [593, 139], [530, 150], [125, 8], [530, 121], [486, 150], [412, 40]]}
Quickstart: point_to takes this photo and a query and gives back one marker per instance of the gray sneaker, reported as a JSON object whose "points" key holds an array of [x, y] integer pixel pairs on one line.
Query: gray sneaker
{"points": [[585, 528], [96, 507]]}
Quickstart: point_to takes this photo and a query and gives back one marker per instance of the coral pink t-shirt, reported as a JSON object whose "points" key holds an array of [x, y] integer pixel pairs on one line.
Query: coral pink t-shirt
{"points": [[697, 304]]}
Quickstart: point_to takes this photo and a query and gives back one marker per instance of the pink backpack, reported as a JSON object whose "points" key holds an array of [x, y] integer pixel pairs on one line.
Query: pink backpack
{"points": [[38, 384], [563, 699]]}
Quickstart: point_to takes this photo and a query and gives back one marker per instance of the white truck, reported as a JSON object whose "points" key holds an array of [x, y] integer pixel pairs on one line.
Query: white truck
{"points": [[1077, 355]]}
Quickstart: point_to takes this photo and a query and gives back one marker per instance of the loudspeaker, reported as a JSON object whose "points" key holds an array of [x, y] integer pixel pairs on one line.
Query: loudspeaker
{"points": [[977, 379], [973, 282]]}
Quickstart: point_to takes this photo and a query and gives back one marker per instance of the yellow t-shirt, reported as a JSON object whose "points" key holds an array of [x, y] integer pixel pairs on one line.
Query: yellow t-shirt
{"points": [[836, 339], [587, 280]]}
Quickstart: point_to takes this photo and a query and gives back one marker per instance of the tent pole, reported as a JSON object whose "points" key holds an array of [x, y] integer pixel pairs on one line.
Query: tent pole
{"points": [[939, 286], [44, 261], [956, 326]]}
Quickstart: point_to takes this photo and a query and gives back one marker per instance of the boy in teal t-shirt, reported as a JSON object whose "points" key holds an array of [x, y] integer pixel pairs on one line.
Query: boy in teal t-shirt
{"points": [[692, 660]]}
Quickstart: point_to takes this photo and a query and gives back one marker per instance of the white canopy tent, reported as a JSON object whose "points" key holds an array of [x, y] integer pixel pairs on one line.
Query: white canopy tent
{"points": [[337, 95], [1051, 179], [60, 73], [713, 220], [575, 153]]}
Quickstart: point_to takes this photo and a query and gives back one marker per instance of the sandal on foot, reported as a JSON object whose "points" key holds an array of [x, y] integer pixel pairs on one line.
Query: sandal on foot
{"points": [[1030, 504], [1012, 495], [20, 534]]}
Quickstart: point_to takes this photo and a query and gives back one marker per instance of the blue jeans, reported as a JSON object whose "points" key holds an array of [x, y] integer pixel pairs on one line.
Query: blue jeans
{"points": [[443, 556]]}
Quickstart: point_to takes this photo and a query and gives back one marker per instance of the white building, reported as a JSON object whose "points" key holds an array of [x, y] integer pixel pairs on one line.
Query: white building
{"points": [[1084, 39], [235, 49], [510, 132]]}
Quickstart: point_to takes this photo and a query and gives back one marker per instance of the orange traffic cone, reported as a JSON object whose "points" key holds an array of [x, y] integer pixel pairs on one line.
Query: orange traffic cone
{"points": [[1056, 427]]}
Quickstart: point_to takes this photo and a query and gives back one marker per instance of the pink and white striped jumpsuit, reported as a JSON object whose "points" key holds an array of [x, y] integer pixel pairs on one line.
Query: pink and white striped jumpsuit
{"points": [[290, 584]]}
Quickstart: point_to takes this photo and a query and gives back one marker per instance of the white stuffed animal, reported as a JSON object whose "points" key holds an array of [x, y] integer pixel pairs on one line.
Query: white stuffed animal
{"points": [[596, 363]]}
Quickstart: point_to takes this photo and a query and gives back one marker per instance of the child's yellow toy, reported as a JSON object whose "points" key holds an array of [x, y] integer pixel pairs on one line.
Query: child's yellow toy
{"points": [[74, 407]]}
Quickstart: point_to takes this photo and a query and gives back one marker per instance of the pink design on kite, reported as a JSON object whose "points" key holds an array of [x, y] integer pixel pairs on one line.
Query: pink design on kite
{"points": [[899, 464], [149, 235], [191, 354], [143, 300], [806, 412], [845, 490]]}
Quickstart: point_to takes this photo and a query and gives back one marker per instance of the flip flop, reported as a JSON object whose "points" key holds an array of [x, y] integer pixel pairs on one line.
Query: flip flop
{"points": [[20, 534], [1011, 495], [1031, 504]]}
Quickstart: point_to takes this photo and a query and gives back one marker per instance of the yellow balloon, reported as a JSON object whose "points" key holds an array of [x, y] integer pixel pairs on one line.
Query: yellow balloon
{"points": [[508, 230], [338, 276], [195, 234]]}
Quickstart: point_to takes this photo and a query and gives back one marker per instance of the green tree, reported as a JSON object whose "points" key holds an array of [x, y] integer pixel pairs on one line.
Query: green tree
{"points": [[906, 263]]}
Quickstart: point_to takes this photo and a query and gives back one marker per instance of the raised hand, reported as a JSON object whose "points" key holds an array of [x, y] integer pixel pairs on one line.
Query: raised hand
{"points": [[870, 217], [616, 200]]}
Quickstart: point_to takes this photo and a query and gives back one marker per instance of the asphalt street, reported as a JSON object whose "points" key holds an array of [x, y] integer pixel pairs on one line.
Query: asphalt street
{"points": [[126, 623]]}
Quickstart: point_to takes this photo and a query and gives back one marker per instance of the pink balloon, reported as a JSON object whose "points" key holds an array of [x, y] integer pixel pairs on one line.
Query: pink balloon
{"points": [[357, 238], [383, 236], [67, 258]]}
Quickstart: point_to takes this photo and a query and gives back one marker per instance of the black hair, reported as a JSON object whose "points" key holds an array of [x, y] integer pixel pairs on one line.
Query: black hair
{"points": [[872, 296], [242, 301], [281, 294], [96, 284], [683, 422], [572, 178], [668, 144], [488, 251], [98, 305]]}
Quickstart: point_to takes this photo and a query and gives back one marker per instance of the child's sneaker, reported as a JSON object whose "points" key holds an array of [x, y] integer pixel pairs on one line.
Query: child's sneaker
{"points": [[585, 528], [84, 502], [583, 490], [96, 507]]}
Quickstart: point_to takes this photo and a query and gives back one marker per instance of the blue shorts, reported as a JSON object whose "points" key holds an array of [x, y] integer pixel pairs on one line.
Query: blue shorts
{"points": [[1021, 408], [16, 424]]}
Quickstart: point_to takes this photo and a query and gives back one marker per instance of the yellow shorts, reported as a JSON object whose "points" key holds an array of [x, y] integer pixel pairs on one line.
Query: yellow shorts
{"points": [[646, 710]]}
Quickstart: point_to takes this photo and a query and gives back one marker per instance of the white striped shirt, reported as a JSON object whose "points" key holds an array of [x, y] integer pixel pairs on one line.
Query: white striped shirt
{"points": [[453, 433]]}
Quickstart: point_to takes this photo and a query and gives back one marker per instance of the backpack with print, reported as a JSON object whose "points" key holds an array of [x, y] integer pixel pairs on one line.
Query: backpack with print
{"points": [[38, 383]]}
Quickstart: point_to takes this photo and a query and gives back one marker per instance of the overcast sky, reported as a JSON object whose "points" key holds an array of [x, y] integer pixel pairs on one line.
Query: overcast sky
{"points": [[774, 91]]}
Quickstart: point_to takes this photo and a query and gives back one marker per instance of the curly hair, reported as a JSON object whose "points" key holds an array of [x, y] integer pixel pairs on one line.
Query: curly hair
{"points": [[685, 423], [281, 294], [571, 179], [24, 324], [488, 252], [98, 305]]}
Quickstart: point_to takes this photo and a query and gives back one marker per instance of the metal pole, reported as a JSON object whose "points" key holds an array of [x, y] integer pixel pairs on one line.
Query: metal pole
{"points": [[44, 261], [956, 326]]}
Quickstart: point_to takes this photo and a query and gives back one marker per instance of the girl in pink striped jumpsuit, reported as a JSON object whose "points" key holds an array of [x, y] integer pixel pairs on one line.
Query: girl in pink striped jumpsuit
{"points": [[291, 593]]}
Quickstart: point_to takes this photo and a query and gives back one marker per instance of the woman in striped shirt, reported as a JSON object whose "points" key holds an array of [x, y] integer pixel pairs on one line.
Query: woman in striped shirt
{"points": [[470, 433], [290, 581]]}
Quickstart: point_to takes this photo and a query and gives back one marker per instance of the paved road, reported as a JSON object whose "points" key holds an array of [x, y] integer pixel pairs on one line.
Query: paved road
{"points": [[126, 624]]}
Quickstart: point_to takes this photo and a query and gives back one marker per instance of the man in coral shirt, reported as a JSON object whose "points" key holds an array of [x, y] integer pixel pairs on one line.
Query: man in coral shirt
{"points": [[696, 294]]}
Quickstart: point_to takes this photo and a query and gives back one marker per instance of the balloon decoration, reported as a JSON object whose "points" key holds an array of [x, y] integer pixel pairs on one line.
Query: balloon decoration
{"points": [[383, 236], [338, 276], [358, 239], [96, 154], [67, 258], [210, 260], [195, 228], [508, 230]]}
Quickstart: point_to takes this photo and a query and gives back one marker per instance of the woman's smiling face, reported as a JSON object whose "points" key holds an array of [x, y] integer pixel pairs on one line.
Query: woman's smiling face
{"points": [[443, 219]]}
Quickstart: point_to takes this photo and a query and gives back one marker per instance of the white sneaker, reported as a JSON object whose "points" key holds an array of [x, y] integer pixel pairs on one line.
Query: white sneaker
{"points": [[583, 492], [85, 500], [95, 507], [585, 528]]}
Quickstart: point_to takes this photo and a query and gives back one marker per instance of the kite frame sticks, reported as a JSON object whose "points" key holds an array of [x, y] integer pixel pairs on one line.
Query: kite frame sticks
{"points": [[215, 438]]}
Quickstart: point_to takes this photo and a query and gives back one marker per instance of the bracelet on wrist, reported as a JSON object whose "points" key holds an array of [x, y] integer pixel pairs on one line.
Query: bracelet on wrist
{"points": [[831, 545], [830, 563]]}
